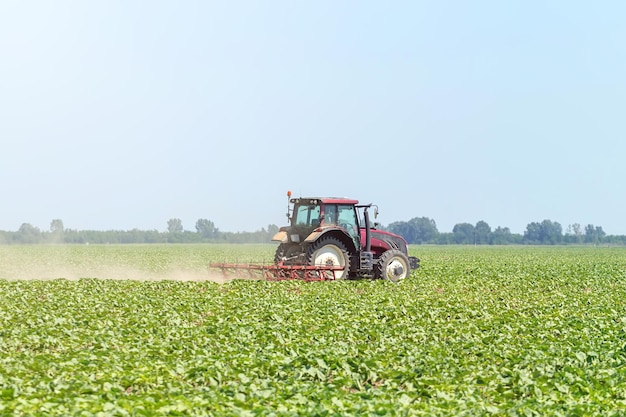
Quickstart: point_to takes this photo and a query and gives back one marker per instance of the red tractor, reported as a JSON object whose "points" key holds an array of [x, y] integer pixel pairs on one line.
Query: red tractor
{"points": [[333, 238]]}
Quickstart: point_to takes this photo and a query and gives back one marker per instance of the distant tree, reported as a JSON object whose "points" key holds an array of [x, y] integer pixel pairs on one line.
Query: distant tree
{"points": [[552, 232], [174, 226], [482, 232], [272, 229], [444, 238], [532, 234], [56, 234], [463, 233], [418, 230], [594, 234], [424, 229], [206, 228], [574, 233], [501, 236], [547, 232], [404, 229], [56, 226], [590, 233], [27, 233]]}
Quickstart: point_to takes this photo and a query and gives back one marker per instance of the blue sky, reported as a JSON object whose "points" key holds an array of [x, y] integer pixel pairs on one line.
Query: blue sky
{"points": [[117, 114]]}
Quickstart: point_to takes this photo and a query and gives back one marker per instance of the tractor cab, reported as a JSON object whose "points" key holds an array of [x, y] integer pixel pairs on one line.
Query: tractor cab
{"points": [[310, 215]]}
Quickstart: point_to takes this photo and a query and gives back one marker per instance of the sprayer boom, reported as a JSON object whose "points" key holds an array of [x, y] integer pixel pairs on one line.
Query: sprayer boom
{"points": [[277, 272]]}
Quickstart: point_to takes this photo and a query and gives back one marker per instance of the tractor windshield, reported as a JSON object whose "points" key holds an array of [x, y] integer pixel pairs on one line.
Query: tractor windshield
{"points": [[306, 215]]}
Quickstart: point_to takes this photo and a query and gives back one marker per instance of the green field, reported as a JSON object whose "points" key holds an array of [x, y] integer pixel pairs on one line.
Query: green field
{"points": [[476, 331]]}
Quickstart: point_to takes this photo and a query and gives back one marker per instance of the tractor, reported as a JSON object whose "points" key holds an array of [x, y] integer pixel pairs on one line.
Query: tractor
{"points": [[332, 238]]}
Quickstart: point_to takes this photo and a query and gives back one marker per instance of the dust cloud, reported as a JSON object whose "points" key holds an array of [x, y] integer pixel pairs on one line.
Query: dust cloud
{"points": [[112, 272]]}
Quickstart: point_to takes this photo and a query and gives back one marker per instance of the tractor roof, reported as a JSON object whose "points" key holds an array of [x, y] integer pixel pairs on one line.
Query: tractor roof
{"points": [[325, 200]]}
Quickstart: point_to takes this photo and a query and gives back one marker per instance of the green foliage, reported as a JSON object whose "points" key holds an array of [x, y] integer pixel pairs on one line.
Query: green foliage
{"points": [[464, 233], [417, 230], [516, 331], [174, 226], [546, 232], [206, 228], [594, 234]]}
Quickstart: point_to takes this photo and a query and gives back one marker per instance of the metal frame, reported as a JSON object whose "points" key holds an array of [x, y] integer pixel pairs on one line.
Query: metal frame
{"points": [[278, 272]]}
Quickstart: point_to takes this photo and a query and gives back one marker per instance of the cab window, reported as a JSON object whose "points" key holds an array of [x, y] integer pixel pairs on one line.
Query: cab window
{"points": [[307, 215], [346, 218], [330, 214]]}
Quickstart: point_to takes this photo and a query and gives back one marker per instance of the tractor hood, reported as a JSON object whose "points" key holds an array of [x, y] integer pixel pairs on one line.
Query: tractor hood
{"points": [[383, 241]]}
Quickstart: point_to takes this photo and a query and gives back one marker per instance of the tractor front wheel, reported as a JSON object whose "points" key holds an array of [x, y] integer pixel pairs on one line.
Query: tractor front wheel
{"points": [[393, 265], [329, 251]]}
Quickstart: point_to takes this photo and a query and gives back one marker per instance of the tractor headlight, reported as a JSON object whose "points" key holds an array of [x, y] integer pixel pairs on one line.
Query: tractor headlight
{"points": [[295, 238]]}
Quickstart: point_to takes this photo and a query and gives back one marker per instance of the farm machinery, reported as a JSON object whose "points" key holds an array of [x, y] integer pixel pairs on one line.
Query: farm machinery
{"points": [[330, 239]]}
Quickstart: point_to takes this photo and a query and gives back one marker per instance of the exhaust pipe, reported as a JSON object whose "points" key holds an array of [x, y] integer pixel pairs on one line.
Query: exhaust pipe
{"points": [[368, 237]]}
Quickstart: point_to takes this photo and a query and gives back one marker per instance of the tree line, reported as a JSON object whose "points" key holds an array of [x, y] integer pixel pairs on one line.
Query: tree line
{"points": [[419, 230], [205, 232], [423, 230]]}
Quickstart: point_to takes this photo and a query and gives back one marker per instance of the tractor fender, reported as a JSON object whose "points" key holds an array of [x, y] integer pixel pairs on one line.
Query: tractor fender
{"points": [[280, 236], [334, 231]]}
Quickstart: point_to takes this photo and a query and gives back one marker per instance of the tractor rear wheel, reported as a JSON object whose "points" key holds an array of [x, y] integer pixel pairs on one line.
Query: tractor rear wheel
{"points": [[393, 265], [329, 251]]}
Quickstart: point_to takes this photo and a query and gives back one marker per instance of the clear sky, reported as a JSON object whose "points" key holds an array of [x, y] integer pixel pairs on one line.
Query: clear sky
{"points": [[123, 114]]}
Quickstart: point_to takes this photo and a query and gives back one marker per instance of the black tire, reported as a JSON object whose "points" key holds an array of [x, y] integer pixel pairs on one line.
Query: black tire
{"points": [[286, 250], [393, 265], [329, 251]]}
